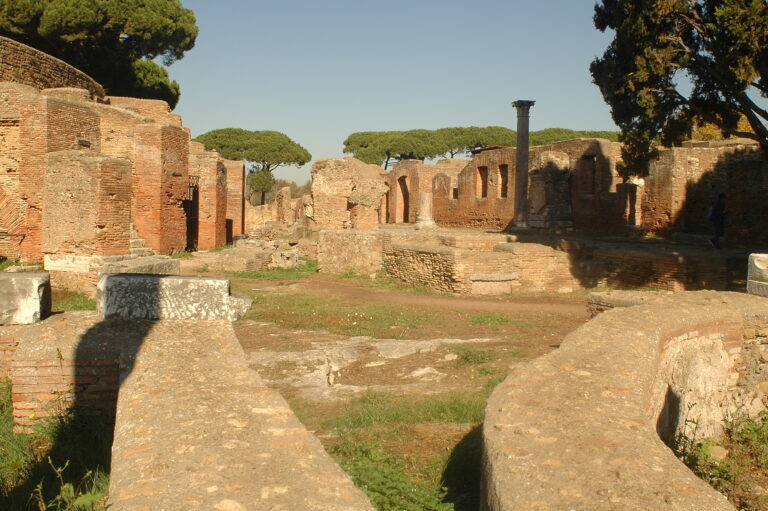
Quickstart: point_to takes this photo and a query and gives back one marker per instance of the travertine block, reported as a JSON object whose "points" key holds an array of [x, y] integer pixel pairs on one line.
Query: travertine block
{"points": [[25, 298]]}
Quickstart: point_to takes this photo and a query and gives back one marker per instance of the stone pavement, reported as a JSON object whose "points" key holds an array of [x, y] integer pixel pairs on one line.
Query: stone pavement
{"points": [[197, 429]]}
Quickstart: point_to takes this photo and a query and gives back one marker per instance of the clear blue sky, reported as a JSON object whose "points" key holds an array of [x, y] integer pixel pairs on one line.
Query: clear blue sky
{"points": [[319, 70]]}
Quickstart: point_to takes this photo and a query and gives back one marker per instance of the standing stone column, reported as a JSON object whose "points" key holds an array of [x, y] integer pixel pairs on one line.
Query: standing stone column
{"points": [[521, 162], [424, 218]]}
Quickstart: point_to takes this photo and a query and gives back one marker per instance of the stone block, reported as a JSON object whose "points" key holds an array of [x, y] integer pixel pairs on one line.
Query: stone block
{"points": [[757, 280], [156, 265], [135, 296], [25, 298]]}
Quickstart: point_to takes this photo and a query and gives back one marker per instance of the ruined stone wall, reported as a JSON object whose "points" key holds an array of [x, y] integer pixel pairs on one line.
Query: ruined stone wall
{"points": [[258, 215], [622, 411], [160, 183], [235, 198], [482, 198], [409, 178], [349, 250], [583, 195], [212, 207], [87, 201], [340, 184], [46, 124], [8, 347], [685, 181], [22, 64], [155, 109]]}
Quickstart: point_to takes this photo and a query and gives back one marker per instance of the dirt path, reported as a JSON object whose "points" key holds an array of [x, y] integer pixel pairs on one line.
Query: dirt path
{"points": [[565, 304]]}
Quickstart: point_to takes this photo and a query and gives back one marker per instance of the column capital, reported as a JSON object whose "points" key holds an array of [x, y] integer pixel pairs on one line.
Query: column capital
{"points": [[523, 105]]}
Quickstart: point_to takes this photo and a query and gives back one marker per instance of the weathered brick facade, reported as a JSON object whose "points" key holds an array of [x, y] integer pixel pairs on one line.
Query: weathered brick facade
{"points": [[212, 206], [20, 63], [409, 178], [235, 198], [76, 173]]}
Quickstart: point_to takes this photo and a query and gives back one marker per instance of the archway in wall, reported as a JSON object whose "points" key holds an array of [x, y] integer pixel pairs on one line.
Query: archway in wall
{"points": [[403, 206]]}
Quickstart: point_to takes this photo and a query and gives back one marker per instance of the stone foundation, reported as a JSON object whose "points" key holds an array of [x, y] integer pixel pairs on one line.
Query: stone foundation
{"points": [[607, 401]]}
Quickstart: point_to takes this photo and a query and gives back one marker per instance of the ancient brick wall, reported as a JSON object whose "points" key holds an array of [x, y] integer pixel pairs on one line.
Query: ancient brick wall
{"points": [[338, 185], [235, 198], [483, 197], [684, 181], [161, 182], [155, 109], [212, 206], [484, 194], [86, 202], [22, 64], [48, 124], [7, 349], [257, 215], [408, 179], [348, 250]]}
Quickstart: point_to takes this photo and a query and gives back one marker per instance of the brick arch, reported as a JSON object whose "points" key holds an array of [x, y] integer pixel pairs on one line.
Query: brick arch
{"points": [[11, 222]]}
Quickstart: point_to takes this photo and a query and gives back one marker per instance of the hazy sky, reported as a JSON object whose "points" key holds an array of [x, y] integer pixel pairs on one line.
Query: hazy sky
{"points": [[319, 70]]}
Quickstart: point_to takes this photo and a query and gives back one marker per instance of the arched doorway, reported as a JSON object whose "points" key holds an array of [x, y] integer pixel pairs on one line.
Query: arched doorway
{"points": [[403, 211]]}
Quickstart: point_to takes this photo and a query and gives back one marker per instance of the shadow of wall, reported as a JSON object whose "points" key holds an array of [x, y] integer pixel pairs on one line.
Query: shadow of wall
{"points": [[743, 176], [82, 378]]}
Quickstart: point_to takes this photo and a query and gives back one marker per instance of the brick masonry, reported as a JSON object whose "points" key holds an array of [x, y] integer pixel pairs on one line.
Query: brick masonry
{"points": [[21, 64], [212, 204]]}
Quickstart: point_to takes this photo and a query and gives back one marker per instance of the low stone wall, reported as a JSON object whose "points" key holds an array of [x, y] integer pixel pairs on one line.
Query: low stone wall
{"points": [[20, 63], [343, 250], [585, 426], [196, 428]]}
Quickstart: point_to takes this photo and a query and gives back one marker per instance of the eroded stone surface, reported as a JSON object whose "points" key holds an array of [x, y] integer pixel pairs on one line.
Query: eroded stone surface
{"points": [[133, 296], [757, 283], [580, 428], [24, 298], [198, 429]]}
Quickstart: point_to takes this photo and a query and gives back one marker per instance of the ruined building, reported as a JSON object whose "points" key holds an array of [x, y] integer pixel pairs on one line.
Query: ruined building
{"points": [[90, 182]]}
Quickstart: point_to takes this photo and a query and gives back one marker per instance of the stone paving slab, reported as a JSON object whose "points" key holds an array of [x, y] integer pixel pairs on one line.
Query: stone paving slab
{"points": [[197, 429]]}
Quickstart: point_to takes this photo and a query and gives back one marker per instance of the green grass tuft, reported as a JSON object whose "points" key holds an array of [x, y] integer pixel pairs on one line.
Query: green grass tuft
{"points": [[376, 408], [182, 255], [71, 301], [472, 356], [490, 319], [300, 272]]}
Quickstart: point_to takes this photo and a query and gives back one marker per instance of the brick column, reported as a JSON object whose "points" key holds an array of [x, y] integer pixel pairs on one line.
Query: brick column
{"points": [[521, 161]]}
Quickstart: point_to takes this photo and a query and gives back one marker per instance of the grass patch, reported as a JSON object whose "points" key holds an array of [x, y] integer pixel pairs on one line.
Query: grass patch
{"points": [[314, 312], [381, 474], [63, 465], [297, 273], [181, 255], [202, 269], [376, 408], [743, 473], [220, 248], [472, 356], [7, 263], [489, 319], [63, 300]]}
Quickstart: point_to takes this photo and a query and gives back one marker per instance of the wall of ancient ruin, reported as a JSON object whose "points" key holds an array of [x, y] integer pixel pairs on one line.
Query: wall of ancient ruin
{"points": [[408, 179], [235, 198], [212, 205], [22, 64], [161, 181], [624, 386], [340, 185], [685, 181], [154, 110], [87, 204], [571, 184]]}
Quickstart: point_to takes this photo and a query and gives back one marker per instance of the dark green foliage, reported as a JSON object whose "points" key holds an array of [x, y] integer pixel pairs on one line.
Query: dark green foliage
{"points": [[720, 46], [113, 41], [385, 147], [263, 150]]}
